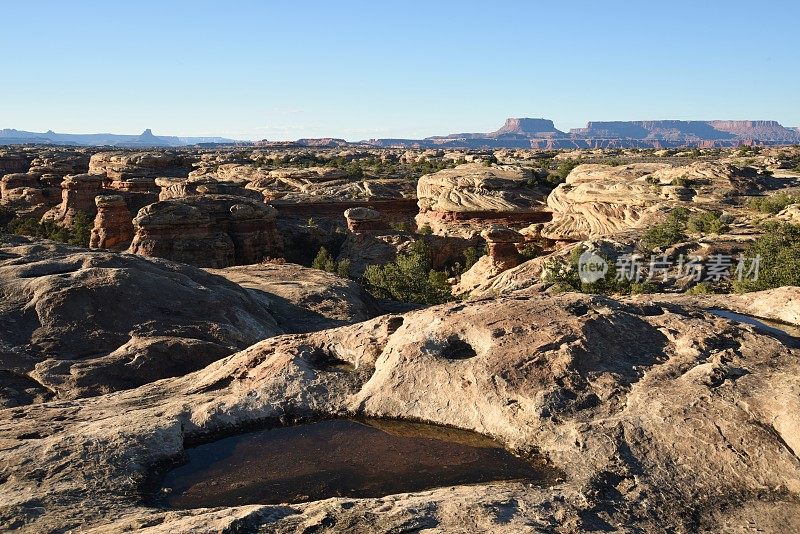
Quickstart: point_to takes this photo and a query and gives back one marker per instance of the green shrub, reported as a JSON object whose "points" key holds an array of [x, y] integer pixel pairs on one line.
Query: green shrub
{"points": [[81, 230], [772, 204], [343, 268], [399, 226], [682, 181], [703, 288], [78, 235], [325, 262], [425, 229], [471, 256], [666, 234], [564, 274], [409, 278], [530, 251], [708, 222], [779, 252], [565, 167]]}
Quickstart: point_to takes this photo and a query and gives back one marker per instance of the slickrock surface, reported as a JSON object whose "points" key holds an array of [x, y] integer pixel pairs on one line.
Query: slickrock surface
{"points": [[207, 231], [303, 299], [84, 323], [690, 425], [460, 201]]}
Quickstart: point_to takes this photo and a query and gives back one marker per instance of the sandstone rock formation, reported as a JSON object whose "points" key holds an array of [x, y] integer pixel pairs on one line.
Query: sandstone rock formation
{"points": [[60, 162], [76, 323], [123, 165], [462, 200], [77, 195], [690, 426], [15, 161], [501, 242], [303, 299], [25, 195], [112, 225], [365, 220], [207, 231], [600, 200], [176, 188]]}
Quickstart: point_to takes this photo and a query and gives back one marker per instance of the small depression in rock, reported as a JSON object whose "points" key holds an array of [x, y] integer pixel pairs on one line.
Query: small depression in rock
{"points": [[340, 458], [763, 325]]}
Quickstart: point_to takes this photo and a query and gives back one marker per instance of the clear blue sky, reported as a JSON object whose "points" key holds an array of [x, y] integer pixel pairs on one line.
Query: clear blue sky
{"points": [[362, 69]]}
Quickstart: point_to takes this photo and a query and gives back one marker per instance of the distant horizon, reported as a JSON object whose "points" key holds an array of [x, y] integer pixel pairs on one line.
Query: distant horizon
{"points": [[354, 140]]}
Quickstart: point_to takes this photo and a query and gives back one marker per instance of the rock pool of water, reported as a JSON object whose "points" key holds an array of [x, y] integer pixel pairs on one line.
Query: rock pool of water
{"points": [[764, 325], [340, 458]]}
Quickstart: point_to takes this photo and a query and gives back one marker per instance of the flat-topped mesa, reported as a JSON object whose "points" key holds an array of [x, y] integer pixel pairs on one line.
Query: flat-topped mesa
{"points": [[77, 195], [683, 133], [365, 220], [113, 228], [462, 200], [207, 231], [501, 242], [527, 127]]}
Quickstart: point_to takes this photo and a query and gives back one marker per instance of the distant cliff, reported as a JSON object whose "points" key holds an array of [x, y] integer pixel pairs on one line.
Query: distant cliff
{"points": [[542, 133]]}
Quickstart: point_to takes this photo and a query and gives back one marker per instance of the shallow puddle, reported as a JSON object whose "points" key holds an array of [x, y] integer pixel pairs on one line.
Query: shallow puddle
{"points": [[764, 325], [340, 458]]}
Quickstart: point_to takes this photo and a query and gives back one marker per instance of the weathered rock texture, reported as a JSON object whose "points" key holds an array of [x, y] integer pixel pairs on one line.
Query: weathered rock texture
{"points": [[124, 165], [600, 200], [462, 200], [502, 243], [84, 323], [176, 188], [365, 220], [688, 426], [112, 225], [77, 195], [207, 231], [303, 299], [27, 195]]}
